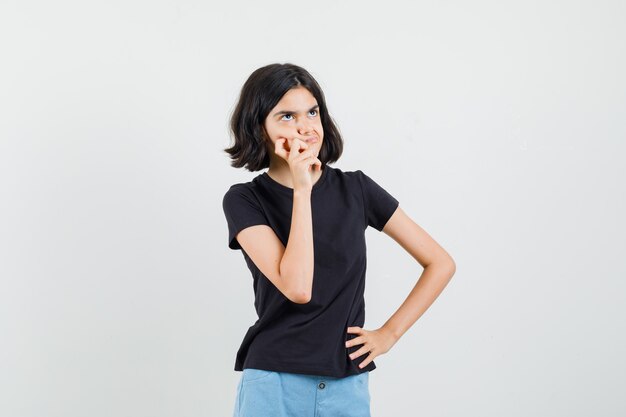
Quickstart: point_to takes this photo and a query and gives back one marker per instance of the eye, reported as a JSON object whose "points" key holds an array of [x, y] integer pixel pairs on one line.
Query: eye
{"points": [[290, 115]]}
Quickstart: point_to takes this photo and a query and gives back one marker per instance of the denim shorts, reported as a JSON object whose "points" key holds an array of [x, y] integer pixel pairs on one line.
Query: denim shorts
{"points": [[262, 393]]}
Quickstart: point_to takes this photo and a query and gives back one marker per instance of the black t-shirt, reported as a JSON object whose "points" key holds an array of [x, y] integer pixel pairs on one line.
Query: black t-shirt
{"points": [[310, 338]]}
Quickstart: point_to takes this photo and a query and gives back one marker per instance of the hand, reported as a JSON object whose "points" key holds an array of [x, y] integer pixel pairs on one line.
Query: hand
{"points": [[376, 342], [299, 162]]}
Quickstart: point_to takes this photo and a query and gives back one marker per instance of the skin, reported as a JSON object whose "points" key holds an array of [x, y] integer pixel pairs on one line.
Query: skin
{"points": [[439, 267], [284, 131], [293, 164]]}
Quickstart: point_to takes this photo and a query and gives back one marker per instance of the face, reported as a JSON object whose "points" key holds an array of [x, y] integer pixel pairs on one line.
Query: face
{"points": [[296, 115]]}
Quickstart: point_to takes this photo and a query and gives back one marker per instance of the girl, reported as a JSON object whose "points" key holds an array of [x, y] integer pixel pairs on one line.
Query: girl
{"points": [[301, 228]]}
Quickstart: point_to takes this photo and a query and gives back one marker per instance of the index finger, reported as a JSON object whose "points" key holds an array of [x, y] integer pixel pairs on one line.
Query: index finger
{"points": [[279, 149], [298, 144]]}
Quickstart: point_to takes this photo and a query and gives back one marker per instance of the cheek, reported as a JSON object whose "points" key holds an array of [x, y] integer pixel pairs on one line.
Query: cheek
{"points": [[276, 132]]}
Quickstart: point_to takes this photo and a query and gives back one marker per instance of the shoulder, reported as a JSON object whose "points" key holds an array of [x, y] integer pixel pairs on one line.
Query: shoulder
{"points": [[237, 192], [237, 189], [249, 187], [347, 175], [357, 178], [346, 181], [354, 174]]}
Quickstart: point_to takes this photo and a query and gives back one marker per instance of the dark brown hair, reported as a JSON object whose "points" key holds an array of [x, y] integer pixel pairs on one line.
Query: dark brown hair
{"points": [[259, 95]]}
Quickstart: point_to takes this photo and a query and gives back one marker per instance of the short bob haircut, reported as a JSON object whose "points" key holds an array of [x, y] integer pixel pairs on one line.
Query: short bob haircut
{"points": [[259, 95]]}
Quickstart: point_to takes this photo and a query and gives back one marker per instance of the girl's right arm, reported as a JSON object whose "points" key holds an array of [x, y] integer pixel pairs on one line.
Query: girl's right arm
{"points": [[296, 265], [289, 268]]}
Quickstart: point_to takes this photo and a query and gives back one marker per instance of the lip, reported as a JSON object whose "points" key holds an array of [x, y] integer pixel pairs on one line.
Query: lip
{"points": [[312, 139]]}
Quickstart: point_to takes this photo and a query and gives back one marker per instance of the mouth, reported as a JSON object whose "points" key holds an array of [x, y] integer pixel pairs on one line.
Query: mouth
{"points": [[312, 139]]}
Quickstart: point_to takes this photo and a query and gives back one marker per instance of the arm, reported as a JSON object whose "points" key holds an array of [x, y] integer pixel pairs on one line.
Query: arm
{"points": [[297, 262], [439, 267], [290, 269]]}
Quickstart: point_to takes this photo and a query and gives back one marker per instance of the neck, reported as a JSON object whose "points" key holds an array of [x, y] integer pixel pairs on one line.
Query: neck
{"points": [[280, 172]]}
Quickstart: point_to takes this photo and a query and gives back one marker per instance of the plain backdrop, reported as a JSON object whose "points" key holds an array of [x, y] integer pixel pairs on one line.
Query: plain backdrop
{"points": [[498, 125]]}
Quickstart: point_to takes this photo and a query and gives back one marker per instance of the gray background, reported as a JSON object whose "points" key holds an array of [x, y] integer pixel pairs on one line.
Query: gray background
{"points": [[498, 125]]}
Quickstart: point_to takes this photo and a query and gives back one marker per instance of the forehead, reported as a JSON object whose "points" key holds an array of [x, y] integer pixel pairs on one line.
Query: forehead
{"points": [[297, 98]]}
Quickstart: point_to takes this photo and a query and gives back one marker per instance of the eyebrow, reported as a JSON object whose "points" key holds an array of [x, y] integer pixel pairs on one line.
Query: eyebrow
{"points": [[291, 112]]}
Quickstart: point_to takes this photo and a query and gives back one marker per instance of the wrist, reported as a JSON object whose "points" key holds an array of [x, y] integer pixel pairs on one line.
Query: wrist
{"points": [[302, 191], [392, 333]]}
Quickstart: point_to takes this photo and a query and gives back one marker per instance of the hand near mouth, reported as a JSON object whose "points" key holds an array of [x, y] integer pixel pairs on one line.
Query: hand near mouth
{"points": [[300, 159]]}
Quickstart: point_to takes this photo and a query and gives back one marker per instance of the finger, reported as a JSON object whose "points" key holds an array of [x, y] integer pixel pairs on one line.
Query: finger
{"points": [[279, 149], [296, 145], [354, 329], [317, 163], [301, 144], [356, 341], [304, 156], [359, 352], [367, 360]]}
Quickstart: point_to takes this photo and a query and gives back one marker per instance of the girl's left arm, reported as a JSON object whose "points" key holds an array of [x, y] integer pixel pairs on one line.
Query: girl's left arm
{"points": [[439, 267]]}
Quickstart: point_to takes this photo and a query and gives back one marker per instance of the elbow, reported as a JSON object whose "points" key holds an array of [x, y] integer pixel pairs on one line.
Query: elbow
{"points": [[301, 298], [295, 287], [451, 267], [445, 265], [299, 295]]}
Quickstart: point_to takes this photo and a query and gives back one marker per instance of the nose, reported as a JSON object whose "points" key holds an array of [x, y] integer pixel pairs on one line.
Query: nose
{"points": [[304, 127]]}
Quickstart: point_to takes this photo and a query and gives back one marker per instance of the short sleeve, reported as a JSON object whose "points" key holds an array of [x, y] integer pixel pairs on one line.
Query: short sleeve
{"points": [[242, 209], [379, 204]]}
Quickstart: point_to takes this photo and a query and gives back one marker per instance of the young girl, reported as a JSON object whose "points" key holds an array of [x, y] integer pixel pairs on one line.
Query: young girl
{"points": [[301, 228]]}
